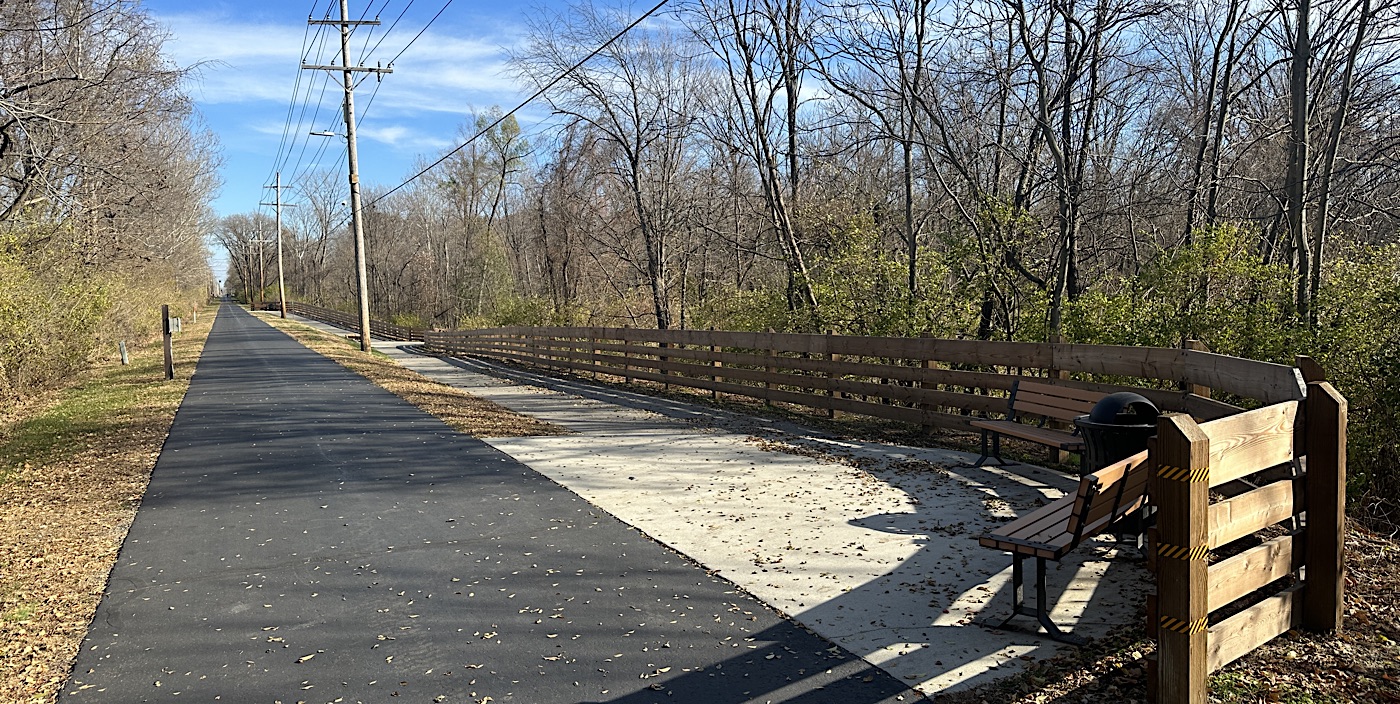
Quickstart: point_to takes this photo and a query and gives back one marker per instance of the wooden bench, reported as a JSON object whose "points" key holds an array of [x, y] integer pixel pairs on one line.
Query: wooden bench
{"points": [[1053, 531], [1046, 402]]}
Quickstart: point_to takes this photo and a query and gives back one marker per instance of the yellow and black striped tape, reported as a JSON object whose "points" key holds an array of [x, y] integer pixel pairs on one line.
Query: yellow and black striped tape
{"points": [[1176, 552], [1182, 474], [1187, 627]]}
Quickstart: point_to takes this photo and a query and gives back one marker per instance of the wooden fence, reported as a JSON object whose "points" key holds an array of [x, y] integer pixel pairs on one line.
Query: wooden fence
{"points": [[926, 381], [1268, 577], [350, 321], [1265, 557]]}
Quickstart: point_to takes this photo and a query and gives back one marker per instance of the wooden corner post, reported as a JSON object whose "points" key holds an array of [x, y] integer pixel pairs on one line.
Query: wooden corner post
{"points": [[1326, 432], [1182, 478]]}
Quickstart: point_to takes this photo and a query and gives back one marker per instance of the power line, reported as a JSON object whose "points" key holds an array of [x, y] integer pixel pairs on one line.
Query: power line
{"points": [[421, 31], [411, 41], [553, 82], [385, 35], [291, 106]]}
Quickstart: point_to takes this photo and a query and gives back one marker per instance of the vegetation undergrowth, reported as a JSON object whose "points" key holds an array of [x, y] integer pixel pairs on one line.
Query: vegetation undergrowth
{"points": [[73, 469]]}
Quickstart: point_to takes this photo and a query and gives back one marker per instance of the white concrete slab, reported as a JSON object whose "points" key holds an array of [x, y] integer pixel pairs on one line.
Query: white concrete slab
{"points": [[873, 546]]}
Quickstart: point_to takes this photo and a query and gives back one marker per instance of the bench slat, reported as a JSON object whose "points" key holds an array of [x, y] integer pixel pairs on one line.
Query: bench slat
{"points": [[1034, 522], [1062, 391], [1033, 405], [1043, 436]]}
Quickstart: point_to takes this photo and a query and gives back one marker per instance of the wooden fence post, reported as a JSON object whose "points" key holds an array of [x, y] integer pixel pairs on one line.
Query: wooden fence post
{"points": [[830, 377], [1181, 477], [662, 360], [928, 363], [1057, 455], [1197, 389], [771, 368], [1312, 371], [165, 333], [626, 368], [714, 350], [1326, 433]]}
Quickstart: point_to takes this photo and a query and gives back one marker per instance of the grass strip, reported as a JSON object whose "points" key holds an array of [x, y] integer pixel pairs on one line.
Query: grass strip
{"points": [[462, 411], [73, 470]]}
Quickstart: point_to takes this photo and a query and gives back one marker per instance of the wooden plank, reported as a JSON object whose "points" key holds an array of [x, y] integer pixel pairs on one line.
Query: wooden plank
{"points": [[1182, 508], [1256, 567], [1060, 390], [1044, 436], [1047, 411], [1121, 490], [1267, 382], [1255, 440], [1326, 484], [1240, 634], [1253, 511], [1031, 523]]}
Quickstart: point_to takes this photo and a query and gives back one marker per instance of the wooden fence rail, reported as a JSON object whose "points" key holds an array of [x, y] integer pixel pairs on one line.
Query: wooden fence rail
{"points": [[349, 321], [925, 381]]}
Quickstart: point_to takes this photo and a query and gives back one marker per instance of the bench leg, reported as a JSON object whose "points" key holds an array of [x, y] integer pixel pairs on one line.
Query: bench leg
{"points": [[1042, 609], [1018, 585], [995, 451]]}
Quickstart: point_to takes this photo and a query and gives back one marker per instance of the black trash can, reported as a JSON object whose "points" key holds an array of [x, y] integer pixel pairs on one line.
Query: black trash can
{"points": [[1117, 428]]}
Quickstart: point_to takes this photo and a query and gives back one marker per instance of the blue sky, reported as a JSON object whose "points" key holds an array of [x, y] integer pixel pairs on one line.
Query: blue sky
{"points": [[251, 52]]}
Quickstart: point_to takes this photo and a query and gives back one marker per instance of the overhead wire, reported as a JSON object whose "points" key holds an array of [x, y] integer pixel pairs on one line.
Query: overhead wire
{"points": [[315, 114], [291, 106], [304, 126], [543, 89]]}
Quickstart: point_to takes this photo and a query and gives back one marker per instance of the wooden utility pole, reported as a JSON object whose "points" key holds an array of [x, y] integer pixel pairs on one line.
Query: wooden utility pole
{"points": [[277, 203], [262, 276], [347, 74]]}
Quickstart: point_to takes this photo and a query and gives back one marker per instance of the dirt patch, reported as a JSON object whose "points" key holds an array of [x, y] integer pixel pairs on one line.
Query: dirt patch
{"points": [[462, 411], [73, 469]]}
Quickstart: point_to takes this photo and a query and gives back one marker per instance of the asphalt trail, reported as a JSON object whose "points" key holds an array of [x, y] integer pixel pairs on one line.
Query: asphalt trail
{"points": [[310, 537]]}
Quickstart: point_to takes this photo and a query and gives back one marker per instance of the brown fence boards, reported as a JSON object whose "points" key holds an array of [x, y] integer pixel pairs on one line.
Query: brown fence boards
{"points": [[1236, 636], [1253, 511], [1256, 567], [1259, 380], [1255, 440]]}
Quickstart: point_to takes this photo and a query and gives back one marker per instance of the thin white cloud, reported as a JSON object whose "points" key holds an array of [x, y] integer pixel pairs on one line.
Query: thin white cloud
{"points": [[243, 62], [402, 136]]}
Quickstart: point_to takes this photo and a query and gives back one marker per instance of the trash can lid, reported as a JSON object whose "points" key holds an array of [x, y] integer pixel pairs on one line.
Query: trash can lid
{"points": [[1124, 408]]}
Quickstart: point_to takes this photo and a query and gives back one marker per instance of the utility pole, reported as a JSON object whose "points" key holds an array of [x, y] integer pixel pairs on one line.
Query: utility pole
{"points": [[281, 282], [262, 277], [347, 73]]}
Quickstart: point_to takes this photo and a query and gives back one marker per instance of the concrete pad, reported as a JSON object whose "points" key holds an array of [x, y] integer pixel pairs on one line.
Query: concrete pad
{"points": [[871, 545]]}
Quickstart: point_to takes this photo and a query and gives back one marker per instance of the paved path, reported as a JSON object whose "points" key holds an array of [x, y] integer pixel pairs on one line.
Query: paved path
{"points": [[871, 545], [309, 537]]}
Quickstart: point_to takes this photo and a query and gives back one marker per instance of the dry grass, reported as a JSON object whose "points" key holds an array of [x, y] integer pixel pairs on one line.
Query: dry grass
{"points": [[73, 469], [469, 414]]}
